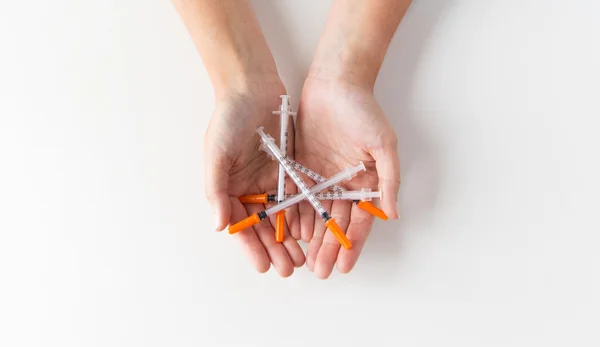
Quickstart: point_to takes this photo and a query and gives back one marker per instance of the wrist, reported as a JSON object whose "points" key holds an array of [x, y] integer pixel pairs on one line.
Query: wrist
{"points": [[264, 89], [242, 77], [343, 72], [229, 39], [355, 40], [351, 58], [240, 59]]}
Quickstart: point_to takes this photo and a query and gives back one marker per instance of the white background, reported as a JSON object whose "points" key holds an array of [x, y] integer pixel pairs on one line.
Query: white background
{"points": [[106, 239]]}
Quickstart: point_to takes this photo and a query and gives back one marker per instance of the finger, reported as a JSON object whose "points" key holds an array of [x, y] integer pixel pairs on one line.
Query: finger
{"points": [[215, 186], [360, 226], [294, 250], [307, 217], [314, 246], [319, 229], [291, 245], [251, 246], [293, 222], [387, 164], [276, 251], [330, 248]]}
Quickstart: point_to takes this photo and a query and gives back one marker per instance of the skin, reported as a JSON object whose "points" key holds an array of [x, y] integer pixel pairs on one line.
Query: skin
{"points": [[247, 88], [337, 94]]}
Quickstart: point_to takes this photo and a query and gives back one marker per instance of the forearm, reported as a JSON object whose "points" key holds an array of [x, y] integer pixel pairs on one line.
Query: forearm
{"points": [[228, 37], [356, 39]]}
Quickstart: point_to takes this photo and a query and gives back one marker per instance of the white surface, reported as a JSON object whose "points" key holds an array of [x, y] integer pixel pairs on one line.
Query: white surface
{"points": [[106, 240]]}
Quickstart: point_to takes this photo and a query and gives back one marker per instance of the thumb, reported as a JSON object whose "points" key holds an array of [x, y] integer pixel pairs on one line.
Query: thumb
{"points": [[387, 164], [215, 183]]}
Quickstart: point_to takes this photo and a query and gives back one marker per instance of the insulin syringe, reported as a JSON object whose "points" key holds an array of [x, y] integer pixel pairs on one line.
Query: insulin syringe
{"points": [[346, 174], [363, 204], [354, 195], [307, 193], [312, 174], [284, 113], [360, 198]]}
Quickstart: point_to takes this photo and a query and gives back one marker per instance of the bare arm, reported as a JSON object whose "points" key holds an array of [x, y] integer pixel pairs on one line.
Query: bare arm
{"points": [[228, 37], [356, 38]]}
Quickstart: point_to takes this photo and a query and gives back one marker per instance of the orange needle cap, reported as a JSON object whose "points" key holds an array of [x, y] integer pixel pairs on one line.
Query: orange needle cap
{"points": [[254, 199], [338, 233], [244, 223], [372, 209], [280, 226]]}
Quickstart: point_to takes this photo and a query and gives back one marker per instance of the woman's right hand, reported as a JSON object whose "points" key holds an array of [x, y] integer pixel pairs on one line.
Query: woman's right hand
{"points": [[235, 166]]}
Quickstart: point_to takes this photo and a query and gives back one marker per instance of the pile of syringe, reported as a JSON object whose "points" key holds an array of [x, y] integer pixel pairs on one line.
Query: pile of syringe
{"points": [[324, 188]]}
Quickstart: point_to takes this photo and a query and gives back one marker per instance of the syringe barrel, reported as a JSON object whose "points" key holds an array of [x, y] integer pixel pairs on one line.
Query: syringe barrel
{"points": [[346, 174], [319, 187], [313, 175], [364, 195], [269, 143]]}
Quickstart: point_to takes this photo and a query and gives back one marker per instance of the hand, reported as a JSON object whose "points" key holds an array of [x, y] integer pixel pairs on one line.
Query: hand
{"points": [[235, 166], [340, 124]]}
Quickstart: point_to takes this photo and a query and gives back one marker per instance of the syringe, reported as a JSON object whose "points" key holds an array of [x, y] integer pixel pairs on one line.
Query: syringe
{"points": [[284, 112], [356, 195], [307, 193], [311, 174], [345, 174], [361, 203]]}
